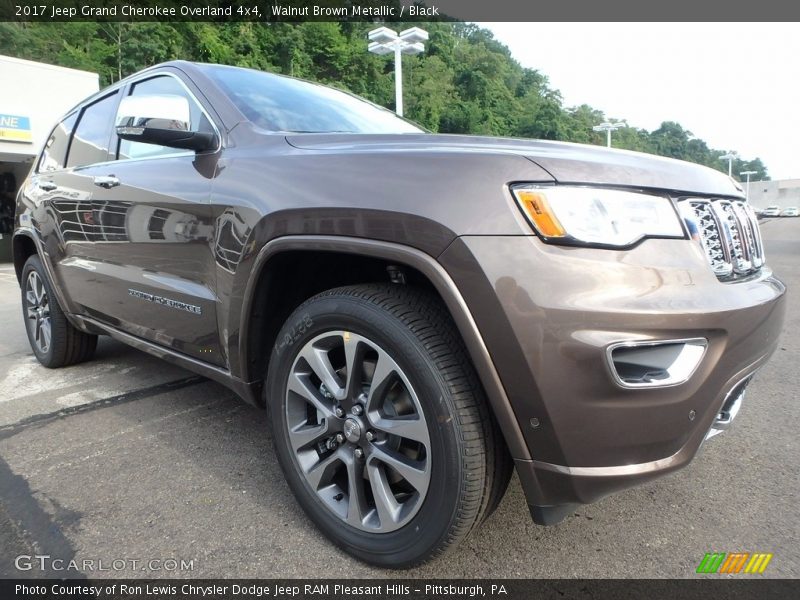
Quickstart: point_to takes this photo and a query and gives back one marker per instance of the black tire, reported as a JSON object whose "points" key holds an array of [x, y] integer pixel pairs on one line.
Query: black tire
{"points": [[503, 470], [470, 465], [67, 345]]}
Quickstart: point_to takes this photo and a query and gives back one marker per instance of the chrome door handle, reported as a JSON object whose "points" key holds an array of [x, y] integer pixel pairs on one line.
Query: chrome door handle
{"points": [[106, 182], [47, 186]]}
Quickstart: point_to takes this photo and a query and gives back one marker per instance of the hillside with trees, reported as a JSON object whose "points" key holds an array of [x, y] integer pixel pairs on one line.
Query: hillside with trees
{"points": [[465, 82]]}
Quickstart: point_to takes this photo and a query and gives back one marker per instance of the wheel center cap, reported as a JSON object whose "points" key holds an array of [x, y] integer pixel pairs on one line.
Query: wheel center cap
{"points": [[352, 430]]}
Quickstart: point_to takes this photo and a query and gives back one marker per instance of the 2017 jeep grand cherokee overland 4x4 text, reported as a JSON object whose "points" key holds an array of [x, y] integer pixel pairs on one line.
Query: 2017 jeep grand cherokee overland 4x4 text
{"points": [[418, 313]]}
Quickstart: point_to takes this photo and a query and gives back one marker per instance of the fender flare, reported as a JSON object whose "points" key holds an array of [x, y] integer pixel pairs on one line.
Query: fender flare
{"points": [[48, 267], [444, 285], [23, 232]]}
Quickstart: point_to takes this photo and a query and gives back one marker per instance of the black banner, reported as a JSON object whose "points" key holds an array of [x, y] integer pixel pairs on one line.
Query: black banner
{"points": [[395, 10], [401, 589]]}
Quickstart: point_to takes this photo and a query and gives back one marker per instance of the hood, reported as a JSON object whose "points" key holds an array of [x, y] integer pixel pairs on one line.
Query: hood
{"points": [[566, 162]]}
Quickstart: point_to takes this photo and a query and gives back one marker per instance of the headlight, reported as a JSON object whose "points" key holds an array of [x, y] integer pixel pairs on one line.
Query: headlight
{"points": [[598, 216]]}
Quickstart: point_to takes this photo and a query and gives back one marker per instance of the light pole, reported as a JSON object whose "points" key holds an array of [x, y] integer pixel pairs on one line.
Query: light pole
{"points": [[747, 174], [386, 41], [608, 127], [730, 157]]}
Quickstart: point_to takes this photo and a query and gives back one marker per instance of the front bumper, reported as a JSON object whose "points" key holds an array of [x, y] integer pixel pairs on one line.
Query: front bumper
{"points": [[549, 314]]}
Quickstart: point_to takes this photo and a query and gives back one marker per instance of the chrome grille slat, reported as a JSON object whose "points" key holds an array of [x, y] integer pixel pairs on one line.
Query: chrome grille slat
{"points": [[726, 214], [747, 232], [728, 233], [758, 245]]}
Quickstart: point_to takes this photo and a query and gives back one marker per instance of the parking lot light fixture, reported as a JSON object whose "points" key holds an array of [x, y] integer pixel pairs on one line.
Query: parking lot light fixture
{"points": [[387, 41], [730, 157], [747, 189], [608, 127]]}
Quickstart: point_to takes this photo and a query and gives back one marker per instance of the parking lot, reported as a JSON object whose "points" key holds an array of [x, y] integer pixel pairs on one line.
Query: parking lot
{"points": [[130, 458]]}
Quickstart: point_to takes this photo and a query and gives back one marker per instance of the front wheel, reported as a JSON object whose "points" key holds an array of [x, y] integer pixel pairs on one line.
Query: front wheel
{"points": [[380, 424]]}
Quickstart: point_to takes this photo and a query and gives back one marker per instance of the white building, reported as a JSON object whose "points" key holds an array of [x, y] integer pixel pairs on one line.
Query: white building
{"points": [[33, 96], [781, 192]]}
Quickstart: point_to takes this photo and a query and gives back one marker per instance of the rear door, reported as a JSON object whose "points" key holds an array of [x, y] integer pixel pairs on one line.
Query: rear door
{"points": [[62, 197], [152, 244]]}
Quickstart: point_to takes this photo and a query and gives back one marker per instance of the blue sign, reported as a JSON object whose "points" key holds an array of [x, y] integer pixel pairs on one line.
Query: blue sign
{"points": [[14, 128]]}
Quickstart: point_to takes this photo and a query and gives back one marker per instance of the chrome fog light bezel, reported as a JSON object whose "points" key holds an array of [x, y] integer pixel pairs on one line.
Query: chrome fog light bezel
{"points": [[691, 356]]}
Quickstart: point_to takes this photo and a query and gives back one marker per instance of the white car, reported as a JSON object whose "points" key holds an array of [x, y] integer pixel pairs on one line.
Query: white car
{"points": [[791, 211], [772, 211]]}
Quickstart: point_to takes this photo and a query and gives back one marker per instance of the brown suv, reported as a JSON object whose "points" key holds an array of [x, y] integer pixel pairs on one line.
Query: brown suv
{"points": [[418, 313]]}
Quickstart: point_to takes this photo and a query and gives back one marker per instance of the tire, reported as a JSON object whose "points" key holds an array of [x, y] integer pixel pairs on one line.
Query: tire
{"points": [[54, 341], [503, 468], [435, 466]]}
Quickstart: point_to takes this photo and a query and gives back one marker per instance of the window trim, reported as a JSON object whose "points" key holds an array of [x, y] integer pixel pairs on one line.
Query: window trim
{"points": [[82, 110], [124, 87], [128, 91], [40, 158]]}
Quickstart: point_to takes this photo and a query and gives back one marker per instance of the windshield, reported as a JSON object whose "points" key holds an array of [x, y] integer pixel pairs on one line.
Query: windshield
{"points": [[284, 104]]}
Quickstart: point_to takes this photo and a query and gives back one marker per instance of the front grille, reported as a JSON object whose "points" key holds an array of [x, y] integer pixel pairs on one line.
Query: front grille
{"points": [[727, 230]]}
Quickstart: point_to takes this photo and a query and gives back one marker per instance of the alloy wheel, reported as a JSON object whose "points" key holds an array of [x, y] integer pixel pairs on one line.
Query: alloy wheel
{"points": [[358, 432], [37, 311]]}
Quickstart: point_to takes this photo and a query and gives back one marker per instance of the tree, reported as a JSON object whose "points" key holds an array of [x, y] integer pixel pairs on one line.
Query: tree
{"points": [[465, 82]]}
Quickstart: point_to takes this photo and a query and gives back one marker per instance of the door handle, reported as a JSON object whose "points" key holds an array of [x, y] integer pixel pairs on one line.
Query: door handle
{"points": [[106, 182], [47, 186]]}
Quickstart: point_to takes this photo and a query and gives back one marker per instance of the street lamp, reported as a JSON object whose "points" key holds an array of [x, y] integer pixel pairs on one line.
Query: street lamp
{"points": [[608, 128], [730, 157], [385, 41], [747, 174]]}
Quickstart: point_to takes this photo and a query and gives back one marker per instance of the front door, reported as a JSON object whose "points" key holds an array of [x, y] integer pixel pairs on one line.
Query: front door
{"points": [[151, 251]]}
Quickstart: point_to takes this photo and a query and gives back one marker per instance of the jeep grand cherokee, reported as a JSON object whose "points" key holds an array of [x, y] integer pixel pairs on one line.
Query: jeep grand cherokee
{"points": [[420, 314]]}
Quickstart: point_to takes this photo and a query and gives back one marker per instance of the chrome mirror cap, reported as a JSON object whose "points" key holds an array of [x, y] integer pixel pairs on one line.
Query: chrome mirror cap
{"points": [[162, 120], [137, 113]]}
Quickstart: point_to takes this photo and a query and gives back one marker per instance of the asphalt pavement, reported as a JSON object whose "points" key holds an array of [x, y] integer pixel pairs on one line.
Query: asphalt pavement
{"points": [[127, 459]]}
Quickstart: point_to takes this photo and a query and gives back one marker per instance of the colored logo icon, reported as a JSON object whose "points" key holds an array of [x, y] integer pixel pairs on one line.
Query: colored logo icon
{"points": [[734, 562]]}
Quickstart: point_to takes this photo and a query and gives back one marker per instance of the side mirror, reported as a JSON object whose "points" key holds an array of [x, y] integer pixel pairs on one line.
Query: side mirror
{"points": [[161, 120]]}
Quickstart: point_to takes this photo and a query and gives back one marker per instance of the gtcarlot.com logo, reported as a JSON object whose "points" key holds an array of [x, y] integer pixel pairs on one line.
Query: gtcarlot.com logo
{"points": [[734, 562], [44, 562]]}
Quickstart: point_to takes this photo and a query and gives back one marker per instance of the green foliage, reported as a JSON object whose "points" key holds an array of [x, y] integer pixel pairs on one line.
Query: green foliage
{"points": [[465, 82]]}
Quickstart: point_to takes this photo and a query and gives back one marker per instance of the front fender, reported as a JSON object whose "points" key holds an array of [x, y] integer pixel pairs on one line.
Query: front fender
{"points": [[436, 275]]}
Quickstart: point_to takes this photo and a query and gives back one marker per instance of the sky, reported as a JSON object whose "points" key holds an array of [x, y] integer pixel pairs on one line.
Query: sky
{"points": [[734, 85]]}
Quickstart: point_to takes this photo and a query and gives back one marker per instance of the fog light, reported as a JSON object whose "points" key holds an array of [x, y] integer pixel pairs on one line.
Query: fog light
{"points": [[655, 363]]}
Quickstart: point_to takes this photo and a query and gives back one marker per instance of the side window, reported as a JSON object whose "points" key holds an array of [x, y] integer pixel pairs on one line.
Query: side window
{"points": [[54, 154], [162, 86], [90, 140]]}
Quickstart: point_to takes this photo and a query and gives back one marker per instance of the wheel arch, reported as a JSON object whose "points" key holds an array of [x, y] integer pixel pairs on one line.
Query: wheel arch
{"points": [[23, 247], [259, 323], [25, 244]]}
